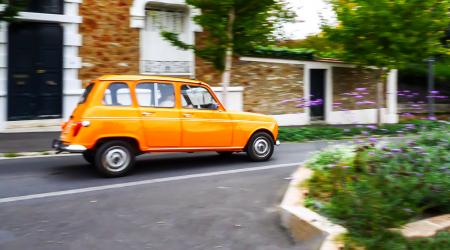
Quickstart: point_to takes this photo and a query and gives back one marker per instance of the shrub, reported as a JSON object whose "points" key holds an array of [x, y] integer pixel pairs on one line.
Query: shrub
{"points": [[335, 133], [370, 189]]}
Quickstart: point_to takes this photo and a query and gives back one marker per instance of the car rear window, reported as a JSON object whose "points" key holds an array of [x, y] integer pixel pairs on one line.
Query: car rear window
{"points": [[86, 93]]}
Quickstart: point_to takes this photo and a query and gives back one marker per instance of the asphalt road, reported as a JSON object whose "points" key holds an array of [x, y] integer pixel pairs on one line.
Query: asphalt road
{"points": [[170, 201]]}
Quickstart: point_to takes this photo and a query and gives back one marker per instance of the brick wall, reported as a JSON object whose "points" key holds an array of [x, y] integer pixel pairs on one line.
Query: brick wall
{"points": [[347, 80], [110, 45]]}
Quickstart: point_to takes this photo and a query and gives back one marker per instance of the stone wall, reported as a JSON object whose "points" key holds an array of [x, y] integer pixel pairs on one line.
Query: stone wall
{"points": [[266, 85], [346, 81], [110, 45]]}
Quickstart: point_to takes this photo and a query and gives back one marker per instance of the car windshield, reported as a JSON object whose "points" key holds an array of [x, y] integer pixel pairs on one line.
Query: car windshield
{"points": [[86, 93]]}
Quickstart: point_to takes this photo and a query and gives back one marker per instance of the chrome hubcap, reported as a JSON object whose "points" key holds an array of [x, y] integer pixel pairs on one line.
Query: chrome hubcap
{"points": [[116, 159], [261, 147]]}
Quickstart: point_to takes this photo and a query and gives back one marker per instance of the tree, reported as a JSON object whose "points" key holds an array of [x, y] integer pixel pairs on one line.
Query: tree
{"points": [[318, 42], [233, 27], [11, 9], [388, 34]]}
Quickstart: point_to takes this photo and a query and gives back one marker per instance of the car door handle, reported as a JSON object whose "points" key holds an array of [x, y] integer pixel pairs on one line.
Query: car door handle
{"points": [[187, 115], [147, 113]]}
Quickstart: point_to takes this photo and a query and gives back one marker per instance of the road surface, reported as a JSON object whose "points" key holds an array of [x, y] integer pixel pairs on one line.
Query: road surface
{"points": [[170, 201]]}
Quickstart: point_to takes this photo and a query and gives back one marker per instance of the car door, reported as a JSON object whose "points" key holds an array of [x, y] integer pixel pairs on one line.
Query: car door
{"points": [[204, 122], [159, 115]]}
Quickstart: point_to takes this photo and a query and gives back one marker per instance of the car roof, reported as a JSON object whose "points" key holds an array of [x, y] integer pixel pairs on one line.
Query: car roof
{"points": [[144, 77]]}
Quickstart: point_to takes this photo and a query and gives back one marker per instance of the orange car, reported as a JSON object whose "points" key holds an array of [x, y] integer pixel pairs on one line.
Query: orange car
{"points": [[120, 116]]}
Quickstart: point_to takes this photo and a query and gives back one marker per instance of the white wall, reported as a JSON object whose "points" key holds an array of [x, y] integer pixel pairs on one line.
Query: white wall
{"points": [[363, 116], [298, 119], [235, 97]]}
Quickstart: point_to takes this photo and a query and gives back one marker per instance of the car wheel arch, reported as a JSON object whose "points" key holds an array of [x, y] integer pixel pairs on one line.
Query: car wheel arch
{"points": [[131, 140], [258, 131]]}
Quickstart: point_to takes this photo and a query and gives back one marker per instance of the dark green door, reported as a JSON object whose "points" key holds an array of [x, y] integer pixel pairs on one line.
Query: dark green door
{"points": [[35, 64]]}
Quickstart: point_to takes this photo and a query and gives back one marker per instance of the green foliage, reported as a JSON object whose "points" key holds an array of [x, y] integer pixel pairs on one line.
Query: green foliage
{"points": [[282, 52], [441, 68], [11, 155], [336, 133], [319, 43], [255, 24], [9, 13], [379, 188], [389, 33]]}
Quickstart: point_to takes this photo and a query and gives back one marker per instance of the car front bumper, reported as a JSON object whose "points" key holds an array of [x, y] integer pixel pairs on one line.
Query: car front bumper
{"points": [[59, 146]]}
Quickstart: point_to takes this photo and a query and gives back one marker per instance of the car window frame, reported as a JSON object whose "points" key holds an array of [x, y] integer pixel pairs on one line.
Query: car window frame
{"points": [[88, 91], [207, 89], [156, 82], [117, 106]]}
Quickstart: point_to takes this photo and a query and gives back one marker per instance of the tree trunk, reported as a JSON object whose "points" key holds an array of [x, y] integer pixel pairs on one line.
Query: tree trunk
{"points": [[380, 95], [226, 75]]}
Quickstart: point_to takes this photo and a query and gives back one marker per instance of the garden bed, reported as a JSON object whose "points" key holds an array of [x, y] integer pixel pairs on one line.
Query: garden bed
{"points": [[312, 133], [371, 189]]}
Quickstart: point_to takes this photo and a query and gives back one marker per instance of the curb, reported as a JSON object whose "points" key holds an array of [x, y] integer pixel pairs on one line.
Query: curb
{"points": [[309, 229], [29, 155]]}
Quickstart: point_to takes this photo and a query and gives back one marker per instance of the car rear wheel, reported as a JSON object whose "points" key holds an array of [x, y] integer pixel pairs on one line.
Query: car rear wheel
{"points": [[115, 158], [260, 147], [89, 156]]}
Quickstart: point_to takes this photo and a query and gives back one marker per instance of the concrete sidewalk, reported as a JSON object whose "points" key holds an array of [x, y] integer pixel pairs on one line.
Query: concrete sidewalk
{"points": [[27, 142]]}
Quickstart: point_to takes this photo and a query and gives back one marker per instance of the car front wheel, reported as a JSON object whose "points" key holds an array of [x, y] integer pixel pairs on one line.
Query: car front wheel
{"points": [[115, 158], [260, 147]]}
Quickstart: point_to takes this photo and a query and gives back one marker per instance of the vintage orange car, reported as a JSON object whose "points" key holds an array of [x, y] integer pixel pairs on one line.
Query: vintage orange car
{"points": [[121, 116]]}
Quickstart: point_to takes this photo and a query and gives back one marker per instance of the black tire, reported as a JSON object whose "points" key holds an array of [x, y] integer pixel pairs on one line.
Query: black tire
{"points": [[260, 147], [115, 158], [225, 153], [89, 156]]}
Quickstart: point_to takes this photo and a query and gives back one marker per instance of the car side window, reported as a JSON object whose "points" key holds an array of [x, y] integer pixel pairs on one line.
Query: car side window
{"points": [[159, 95], [117, 94], [197, 97]]}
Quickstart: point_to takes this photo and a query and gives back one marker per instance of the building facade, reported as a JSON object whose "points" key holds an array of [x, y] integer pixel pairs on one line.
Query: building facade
{"points": [[60, 45], [39, 64]]}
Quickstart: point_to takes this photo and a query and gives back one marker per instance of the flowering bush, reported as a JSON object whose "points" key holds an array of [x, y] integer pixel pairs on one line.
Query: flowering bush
{"points": [[369, 189], [336, 133]]}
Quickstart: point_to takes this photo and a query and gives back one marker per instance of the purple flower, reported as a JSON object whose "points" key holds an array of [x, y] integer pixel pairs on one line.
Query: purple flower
{"points": [[396, 150], [345, 167], [361, 89], [407, 115], [373, 140], [359, 96], [365, 133], [434, 92], [371, 153], [432, 118], [372, 127]]}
